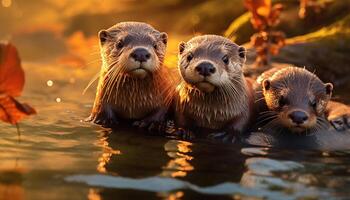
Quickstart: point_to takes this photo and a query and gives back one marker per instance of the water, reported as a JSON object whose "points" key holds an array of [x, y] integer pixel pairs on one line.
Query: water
{"points": [[59, 157]]}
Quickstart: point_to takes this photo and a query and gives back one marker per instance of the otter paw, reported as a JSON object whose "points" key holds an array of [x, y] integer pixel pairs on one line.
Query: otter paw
{"points": [[341, 123], [184, 134], [150, 126], [222, 136], [140, 124], [105, 120], [145, 124]]}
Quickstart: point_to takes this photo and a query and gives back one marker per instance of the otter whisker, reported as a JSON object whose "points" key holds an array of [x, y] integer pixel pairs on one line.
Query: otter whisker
{"points": [[270, 118], [93, 79], [265, 116], [323, 123], [113, 78], [97, 60], [262, 98], [268, 111], [272, 125]]}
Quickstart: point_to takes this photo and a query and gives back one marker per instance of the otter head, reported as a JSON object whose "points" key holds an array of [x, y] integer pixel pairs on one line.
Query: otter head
{"points": [[133, 48], [298, 97], [208, 62]]}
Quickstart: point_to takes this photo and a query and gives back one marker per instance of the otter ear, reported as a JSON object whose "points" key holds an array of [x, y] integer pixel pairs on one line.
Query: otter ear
{"points": [[242, 52], [103, 35], [329, 88], [164, 37], [182, 47], [266, 84]]}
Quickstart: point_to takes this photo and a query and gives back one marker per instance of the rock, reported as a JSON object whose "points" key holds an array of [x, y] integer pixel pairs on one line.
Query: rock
{"points": [[241, 30], [324, 51]]}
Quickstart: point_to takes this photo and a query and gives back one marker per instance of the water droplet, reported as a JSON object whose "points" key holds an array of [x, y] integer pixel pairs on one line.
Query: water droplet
{"points": [[49, 83]]}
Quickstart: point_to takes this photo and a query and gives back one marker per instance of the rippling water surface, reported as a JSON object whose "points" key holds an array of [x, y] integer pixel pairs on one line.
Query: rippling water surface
{"points": [[59, 157]]}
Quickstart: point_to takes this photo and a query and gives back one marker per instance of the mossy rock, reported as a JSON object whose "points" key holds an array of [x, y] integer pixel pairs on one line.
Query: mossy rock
{"points": [[324, 51], [241, 30]]}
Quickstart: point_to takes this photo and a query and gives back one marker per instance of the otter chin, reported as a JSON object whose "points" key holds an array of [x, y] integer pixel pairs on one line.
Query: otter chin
{"points": [[205, 86], [138, 73], [133, 82]]}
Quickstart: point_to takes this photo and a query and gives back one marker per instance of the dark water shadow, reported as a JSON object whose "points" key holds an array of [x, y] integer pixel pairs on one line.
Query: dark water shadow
{"points": [[133, 155]]}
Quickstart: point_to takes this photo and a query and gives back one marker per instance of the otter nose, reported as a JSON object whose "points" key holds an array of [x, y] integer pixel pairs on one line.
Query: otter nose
{"points": [[298, 117], [205, 69], [141, 55]]}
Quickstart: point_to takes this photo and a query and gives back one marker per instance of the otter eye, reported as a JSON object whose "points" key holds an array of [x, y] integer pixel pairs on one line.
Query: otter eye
{"points": [[241, 52], [189, 57], [120, 44], [225, 59], [313, 103], [155, 46], [282, 101]]}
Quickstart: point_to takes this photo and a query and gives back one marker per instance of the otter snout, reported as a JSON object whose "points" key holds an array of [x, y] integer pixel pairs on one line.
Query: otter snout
{"points": [[141, 62], [140, 55], [298, 117], [205, 69]]}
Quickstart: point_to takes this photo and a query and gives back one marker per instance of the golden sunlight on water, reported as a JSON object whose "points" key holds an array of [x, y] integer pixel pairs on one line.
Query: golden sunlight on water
{"points": [[93, 195], [11, 191], [179, 164], [105, 157]]}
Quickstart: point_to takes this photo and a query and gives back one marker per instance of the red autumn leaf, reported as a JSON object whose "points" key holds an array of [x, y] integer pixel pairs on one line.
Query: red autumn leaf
{"points": [[258, 7], [12, 111], [274, 17], [265, 17], [11, 85], [11, 72], [260, 10]]}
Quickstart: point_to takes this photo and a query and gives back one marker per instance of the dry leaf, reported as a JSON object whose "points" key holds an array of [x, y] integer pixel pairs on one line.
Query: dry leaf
{"points": [[11, 85], [11, 72], [264, 18], [11, 111]]}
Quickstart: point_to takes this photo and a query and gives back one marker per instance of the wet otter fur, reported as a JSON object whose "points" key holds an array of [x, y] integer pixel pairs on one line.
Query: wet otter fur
{"points": [[213, 93], [133, 82], [292, 99]]}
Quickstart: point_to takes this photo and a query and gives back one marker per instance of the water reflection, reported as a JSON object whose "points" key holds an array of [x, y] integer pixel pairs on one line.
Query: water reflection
{"points": [[198, 169], [11, 184], [179, 164], [129, 154]]}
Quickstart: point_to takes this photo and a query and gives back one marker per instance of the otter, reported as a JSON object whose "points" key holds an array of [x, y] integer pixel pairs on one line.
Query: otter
{"points": [[133, 82], [293, 99], [338, 114], [212, 93]]}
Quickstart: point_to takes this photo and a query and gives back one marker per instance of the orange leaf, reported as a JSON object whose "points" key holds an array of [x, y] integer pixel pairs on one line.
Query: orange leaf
{"points": [[11, 84], [275, 14], [11, 72], [260, 7], [12, 111], [264, 9]]}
